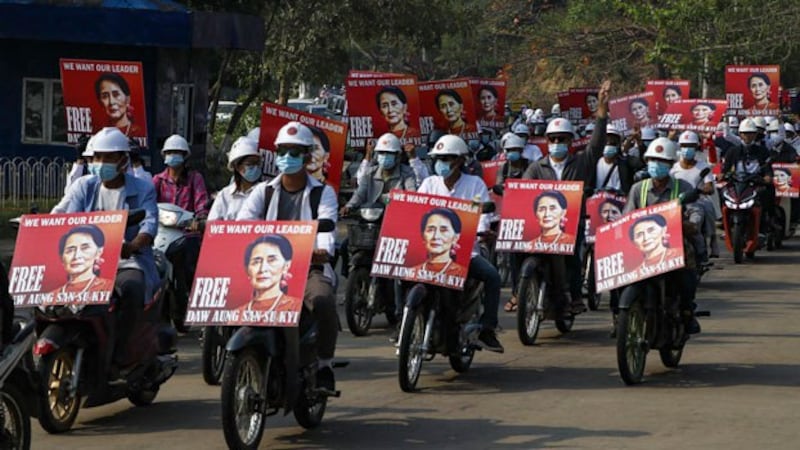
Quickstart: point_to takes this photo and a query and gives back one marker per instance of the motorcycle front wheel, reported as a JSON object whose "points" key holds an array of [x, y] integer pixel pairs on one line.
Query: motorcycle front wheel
{"points": [[411, 356], [631, 343], [310, 408], [356, 302], [57, 409], [16, 422], [529, 313], [737, 237], [243, 395]]}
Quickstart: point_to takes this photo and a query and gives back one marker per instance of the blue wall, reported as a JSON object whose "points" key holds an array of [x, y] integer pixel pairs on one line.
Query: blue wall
{"points": [[39, 59]]}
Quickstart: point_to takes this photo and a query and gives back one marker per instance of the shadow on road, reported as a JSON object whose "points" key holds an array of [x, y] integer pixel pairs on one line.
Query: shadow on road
{"points": [[183, 414], [361, 431]]}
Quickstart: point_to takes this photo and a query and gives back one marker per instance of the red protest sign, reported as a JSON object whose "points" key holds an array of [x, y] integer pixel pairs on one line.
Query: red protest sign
{"points": [[786, 179], [262, 279], [633, 110], [426, 238], [540, 216], [565, 103], [372, 74], [382, 105], [330, 138], [588, 101], [602, 208], [66, 259], [639, 245], [753, 90], [447, 105], [100, 94], [490, 169], [667, 91], [696, 114], [489, 98]]}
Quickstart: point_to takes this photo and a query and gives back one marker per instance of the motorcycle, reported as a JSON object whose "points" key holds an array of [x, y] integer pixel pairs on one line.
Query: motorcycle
{"points": [[172, 222], [366, 296], [650, 318], [269, 369], [75, 347], [17, 375], [213, 353], [438, 320], [741, 216]]}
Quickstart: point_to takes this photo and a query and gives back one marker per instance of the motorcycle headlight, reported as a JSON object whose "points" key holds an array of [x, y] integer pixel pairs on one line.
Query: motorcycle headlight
{"points": [[168, 218], [731, 205], [747, 204], [370, 214]]}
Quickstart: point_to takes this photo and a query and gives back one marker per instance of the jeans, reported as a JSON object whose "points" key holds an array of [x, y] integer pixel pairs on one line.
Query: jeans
{"points": [[320, 299], [480, 269], [128, 307]]}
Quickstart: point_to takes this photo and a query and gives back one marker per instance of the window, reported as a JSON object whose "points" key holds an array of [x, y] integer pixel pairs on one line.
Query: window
{"points": [[182, 110], [44, 119]]}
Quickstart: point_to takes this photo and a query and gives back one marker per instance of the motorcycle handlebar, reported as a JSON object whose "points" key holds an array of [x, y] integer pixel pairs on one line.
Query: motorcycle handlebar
{"points": [[326, 226]]}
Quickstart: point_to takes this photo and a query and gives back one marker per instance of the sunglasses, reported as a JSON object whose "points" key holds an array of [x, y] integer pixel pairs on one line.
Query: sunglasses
{"points": [[557, 139], [292, 151], [447, 158]]}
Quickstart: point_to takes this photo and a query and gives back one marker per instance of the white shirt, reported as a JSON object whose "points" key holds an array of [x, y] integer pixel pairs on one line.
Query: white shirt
{"points": [[692, 174], [253, 209], [603, 169], [558, 167], [467, 187], [110, 199], [139, 172], [228, 203]]}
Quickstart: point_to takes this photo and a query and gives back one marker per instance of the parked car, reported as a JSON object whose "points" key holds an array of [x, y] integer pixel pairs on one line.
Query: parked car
{"points": [[225, 110]]}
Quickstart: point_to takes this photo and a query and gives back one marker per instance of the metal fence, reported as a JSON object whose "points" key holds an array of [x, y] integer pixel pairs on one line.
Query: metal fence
{"points": [[25, 181]]}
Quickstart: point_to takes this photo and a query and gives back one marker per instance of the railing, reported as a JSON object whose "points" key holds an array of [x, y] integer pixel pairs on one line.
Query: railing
{"points": [[25, 181]]}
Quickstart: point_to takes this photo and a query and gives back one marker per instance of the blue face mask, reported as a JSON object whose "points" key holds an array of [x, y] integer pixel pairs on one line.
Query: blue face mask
{"points": [[558, 150], [289, 164], [251, 173], [173, 159], [442, 168], [386, 160], [658, 169], [107, 171], [94, 169], [610, 151], [513, 156], [688, 153]]}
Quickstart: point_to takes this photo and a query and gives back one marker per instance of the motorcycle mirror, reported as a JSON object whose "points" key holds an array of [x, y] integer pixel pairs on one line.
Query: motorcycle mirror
{"points": [[325, 226], [498, 189], [705, 172]]}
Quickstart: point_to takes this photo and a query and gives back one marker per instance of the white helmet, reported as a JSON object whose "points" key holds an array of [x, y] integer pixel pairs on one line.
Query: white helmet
{"points": [[108, 140], [521, 128], [242, 147], [176, 142], [689, 137], [555, 109], [559, 125], [449, 144], [388, 143], [295, 133], [662, 148], [89, 150], [513, 141], [774, 125], [254, 134], [786, 127], [760, 122], [611, 129], [748, 126], [648, 134], [733, 122]]}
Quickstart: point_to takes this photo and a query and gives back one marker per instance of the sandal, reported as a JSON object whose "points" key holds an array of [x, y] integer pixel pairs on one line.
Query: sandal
{"points": [[511, 305]]}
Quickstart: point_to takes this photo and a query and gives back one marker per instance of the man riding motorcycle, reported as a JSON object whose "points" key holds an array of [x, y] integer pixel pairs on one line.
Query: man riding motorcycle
{"points": [[659, 188], [295, 195], [449, 155], [185, 188], [114, 189], [616, 169], [560, 165]]}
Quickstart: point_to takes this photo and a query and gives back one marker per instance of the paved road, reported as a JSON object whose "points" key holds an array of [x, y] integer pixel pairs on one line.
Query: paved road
{"points": [[737, 387]]}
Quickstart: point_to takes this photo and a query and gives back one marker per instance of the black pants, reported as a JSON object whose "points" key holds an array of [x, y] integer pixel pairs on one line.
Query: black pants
{"points": [[320, 298], [183, 255], [128, 307]]}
